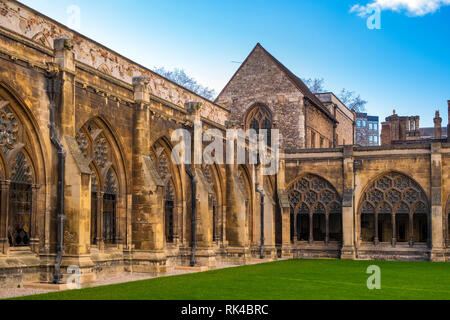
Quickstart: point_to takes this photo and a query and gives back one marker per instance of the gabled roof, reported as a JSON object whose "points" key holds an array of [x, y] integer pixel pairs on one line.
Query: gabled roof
{"points": [[296, 81]]}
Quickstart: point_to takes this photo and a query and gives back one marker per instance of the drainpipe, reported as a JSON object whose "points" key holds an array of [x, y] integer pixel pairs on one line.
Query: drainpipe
{"points": [[194, 183], [53, 89]]}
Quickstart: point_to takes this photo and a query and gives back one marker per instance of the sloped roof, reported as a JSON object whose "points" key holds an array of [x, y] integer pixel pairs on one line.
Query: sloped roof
{"points": [[292, 77]]}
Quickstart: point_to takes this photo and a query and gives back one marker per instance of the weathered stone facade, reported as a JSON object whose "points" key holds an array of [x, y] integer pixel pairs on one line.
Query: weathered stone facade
{"points": [[87, 133]]}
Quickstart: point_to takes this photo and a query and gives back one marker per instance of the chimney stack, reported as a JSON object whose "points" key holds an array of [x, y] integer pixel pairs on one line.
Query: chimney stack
{"points": [[437, 126], [448, 123]]}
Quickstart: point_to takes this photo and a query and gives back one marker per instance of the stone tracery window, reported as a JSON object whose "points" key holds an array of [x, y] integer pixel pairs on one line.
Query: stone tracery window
{"points": [[316, 210], [161, 159], [259, 118], [93, 143], [20, 203], [394, 208], [14, 143]]}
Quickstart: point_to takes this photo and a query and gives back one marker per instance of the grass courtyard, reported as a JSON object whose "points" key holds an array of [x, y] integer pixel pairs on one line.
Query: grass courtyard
{"points": [[285, 280]]}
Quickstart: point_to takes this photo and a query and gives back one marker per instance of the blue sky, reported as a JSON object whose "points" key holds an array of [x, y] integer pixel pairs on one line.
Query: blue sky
{"points": [[404, 65]]}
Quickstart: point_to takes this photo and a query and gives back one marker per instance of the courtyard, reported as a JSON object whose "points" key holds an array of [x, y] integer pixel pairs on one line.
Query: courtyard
{"points": [[284, 280]]}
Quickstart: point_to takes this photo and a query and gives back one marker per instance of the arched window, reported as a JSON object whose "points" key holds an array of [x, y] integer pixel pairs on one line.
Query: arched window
{"points": [[97, 144], [161, 158], [259, 118], [20, 203], [394, 208], [316, 210]]}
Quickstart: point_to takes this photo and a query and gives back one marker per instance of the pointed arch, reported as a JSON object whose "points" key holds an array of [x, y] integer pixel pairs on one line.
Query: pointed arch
{"points": [[102, 147], [24, 168], [400, 208], [317, 195], [169, 172]]}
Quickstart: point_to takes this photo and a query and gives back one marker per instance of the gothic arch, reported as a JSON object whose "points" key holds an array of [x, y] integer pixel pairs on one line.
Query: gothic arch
{"points": [[169, 172], [394, 208], [99, 144], [29, 133], [258, 116], [23, 170], [316, 210]]}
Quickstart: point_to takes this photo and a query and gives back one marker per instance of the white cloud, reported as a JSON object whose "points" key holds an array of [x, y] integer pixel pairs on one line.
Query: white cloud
{"points": [[412, 7]]}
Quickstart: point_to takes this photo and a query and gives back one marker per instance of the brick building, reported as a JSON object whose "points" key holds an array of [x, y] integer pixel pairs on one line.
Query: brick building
{"points": [[367, 130], [85, 135]]}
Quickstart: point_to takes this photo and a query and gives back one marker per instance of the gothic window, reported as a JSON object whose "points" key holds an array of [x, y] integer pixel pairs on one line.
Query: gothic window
{"points": [[394, 208], [95, 145], [259, 118], [163, 165], [20, 203], [315, 210]]}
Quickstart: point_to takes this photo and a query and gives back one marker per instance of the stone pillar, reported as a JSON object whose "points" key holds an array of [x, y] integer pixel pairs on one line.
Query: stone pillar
{"points": [[417, 126], [285, 211], [348, 206], [437, 230], [77, 175], [148, 201], [437, 126], [4, 208], [204, 254], [236, 210]]}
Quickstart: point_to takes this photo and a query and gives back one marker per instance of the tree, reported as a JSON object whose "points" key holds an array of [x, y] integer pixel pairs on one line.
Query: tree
{"points": [[315, 85], [353, 101], [180, 77], [349, 98]]}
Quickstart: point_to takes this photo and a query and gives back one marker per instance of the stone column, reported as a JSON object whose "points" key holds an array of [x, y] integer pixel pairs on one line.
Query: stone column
{"points": [[4, 212], [437, 230], [77, 175], [348, 206], [437, 126], [236, 231], [204, 254], [148, 201]]}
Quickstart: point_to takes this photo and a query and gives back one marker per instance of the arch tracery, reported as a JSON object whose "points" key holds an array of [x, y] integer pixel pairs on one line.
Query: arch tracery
{"points": [[98, 146], [316, 210], [394, 208]]}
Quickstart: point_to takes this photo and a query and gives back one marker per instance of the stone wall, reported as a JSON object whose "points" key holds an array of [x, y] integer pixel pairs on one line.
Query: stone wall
{"points": [[43, 30], [259, 80]]}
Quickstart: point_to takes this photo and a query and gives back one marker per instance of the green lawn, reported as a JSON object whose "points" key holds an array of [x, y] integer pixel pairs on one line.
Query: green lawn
{"points": [[286, 280]]}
